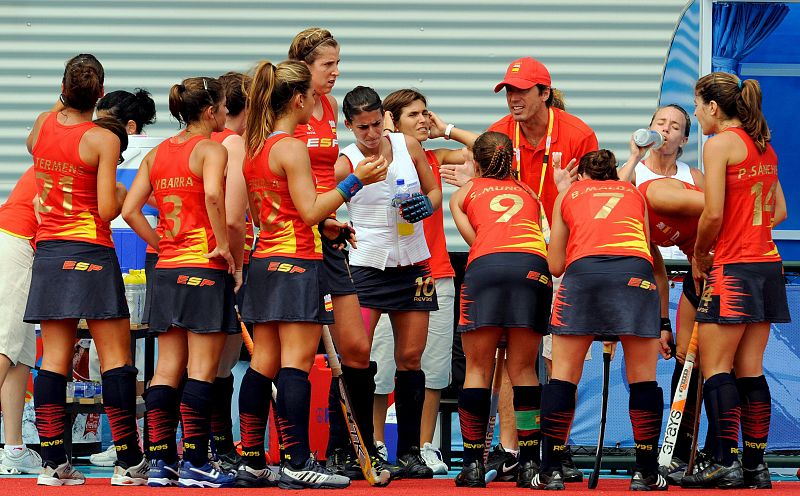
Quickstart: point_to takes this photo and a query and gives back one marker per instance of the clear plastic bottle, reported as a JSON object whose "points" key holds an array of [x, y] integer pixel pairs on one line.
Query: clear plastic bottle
{"points": [[131, 296], [402, 193], [644, 137]]}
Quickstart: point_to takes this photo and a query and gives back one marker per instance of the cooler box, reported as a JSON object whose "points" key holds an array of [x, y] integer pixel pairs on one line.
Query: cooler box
{"points": [[320, 377]]}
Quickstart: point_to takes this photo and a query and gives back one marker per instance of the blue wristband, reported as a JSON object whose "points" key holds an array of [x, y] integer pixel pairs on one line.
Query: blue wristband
{"points": [[349, 187]]}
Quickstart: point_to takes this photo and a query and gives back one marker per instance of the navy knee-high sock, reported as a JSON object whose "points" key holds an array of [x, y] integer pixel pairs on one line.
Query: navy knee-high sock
{"points": [[409, 395], [724, 412], [196, 417], [254, 402], [221, 422], [337, 439], [119, 402], [293, 405], [646, 407], [558, 411], [527, 410], [162, 423], [473, 414], [50, 398], [756, 404], [361, 388]]}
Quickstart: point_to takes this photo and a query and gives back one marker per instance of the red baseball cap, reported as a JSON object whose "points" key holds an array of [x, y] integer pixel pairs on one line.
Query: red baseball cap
{"points": [[525, 73]]}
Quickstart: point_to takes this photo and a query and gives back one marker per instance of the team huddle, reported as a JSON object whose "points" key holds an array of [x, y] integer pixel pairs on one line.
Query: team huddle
{"points": [[563, 247]]}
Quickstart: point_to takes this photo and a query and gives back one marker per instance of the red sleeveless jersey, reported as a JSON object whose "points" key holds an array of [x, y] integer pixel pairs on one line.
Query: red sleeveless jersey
{"points": [[249, 233], [746, 232], [17, 217], [181, 200], [505, 217], [319, 135], [67, 186], [669, 230], [604, 218], [283, 232], [434, 231]]}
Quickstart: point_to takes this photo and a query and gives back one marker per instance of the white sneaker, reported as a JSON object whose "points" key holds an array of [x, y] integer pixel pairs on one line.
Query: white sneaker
{"points": [[433, 459], [131, 476], [382, 451], [24, 461], [63, 475], [105, 458]]}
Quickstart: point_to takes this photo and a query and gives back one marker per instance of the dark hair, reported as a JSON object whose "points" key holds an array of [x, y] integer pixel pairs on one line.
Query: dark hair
{"points": [[235, 85], [83, 82], [550, 99], [116, 127], [272, 89], [600, 165], [125, 106], [494, 154], [737, 98], [190, 98], [360, 99], [396, 101], [306, 42]]}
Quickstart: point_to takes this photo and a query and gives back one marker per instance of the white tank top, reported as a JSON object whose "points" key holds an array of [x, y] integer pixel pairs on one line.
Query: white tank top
{"points": [[644, 174], [375, 220]]}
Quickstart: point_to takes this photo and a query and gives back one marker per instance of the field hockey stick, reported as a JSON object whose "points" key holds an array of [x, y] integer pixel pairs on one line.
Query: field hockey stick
{"points": [[497, 380], [698, 405], [598, 457], [679, 401], [370, 474]]}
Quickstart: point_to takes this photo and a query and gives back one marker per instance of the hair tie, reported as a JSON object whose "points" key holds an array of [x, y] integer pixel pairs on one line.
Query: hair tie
{"points": [[500, 147], [740, 84]]}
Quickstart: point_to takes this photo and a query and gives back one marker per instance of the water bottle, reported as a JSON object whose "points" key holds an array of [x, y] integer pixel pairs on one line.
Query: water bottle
{"points": [[644, 137], [132, 296], [140, 284], [402, 193]]}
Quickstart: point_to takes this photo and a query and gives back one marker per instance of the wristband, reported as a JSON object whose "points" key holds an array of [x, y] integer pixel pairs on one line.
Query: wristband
{"points": [[666, 325], [349, 186], [447, 131]]}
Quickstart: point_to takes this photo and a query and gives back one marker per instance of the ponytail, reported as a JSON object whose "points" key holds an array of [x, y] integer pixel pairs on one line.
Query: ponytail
{"points": [[83, 82], [748, 106]]}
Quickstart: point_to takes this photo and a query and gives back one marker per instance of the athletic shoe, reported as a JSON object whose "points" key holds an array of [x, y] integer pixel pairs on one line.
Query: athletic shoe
{"points": [[136, 475], [24, 461], [380, 464], [382, 451], [433, 459], [63, 475], [525, 473], [758, 478], [343, 462], [311, 475], [504, 462], [568, 469], [472, 475], [163, 474], [230, 461], [675, 471], [209, 475], [105, 458], [716, 475], [552, 482], [414, 466], [253, 477], [651, 482]]}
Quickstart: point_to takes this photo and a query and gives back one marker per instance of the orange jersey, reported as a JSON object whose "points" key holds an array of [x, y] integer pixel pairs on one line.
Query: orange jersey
{"points": [[604, 218], [248, 226], [17, 217], [220, 136], [67, 186], [187, 234], [319, 135], [671, 230], [283, 232], [434, 232], [505, 217], [570, 136], [746, 232]]}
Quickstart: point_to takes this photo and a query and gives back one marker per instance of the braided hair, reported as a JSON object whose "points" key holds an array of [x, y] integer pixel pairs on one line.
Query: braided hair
{"points": [[494, 154]]}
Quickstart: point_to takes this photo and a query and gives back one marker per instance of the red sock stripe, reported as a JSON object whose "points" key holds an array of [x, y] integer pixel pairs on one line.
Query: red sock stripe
{"points": [[193, 425], [729, 424], [473, 429], [160, 425], [50, 420], [559, 424], [755, 420], [253, 428], [123, 422], [646, 424]]}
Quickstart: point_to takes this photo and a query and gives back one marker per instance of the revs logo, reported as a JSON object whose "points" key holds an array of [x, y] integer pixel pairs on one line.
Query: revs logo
{"points": [[82, 266], [195, 281]]}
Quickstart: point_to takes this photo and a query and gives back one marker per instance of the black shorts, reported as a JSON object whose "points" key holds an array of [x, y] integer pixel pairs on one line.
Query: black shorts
{"points": [[196, 299], [150, 260], [240, 294], [396, 289], [506, 290], [607, 296], [337, 271], [689, 291], [741, 293], [284, 289], [75, 280]]}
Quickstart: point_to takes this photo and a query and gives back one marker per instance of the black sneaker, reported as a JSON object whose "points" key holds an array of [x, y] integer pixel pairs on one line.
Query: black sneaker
{"points": [[552, 482], [715, 474], [414, 467], [525, 473], [504, 463], [311, 475], [758, 478], [379, 464], [569, 471], [230, 461], [675, 471], [343, 462], [472, 475], [253, 477], [649, 482]]}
